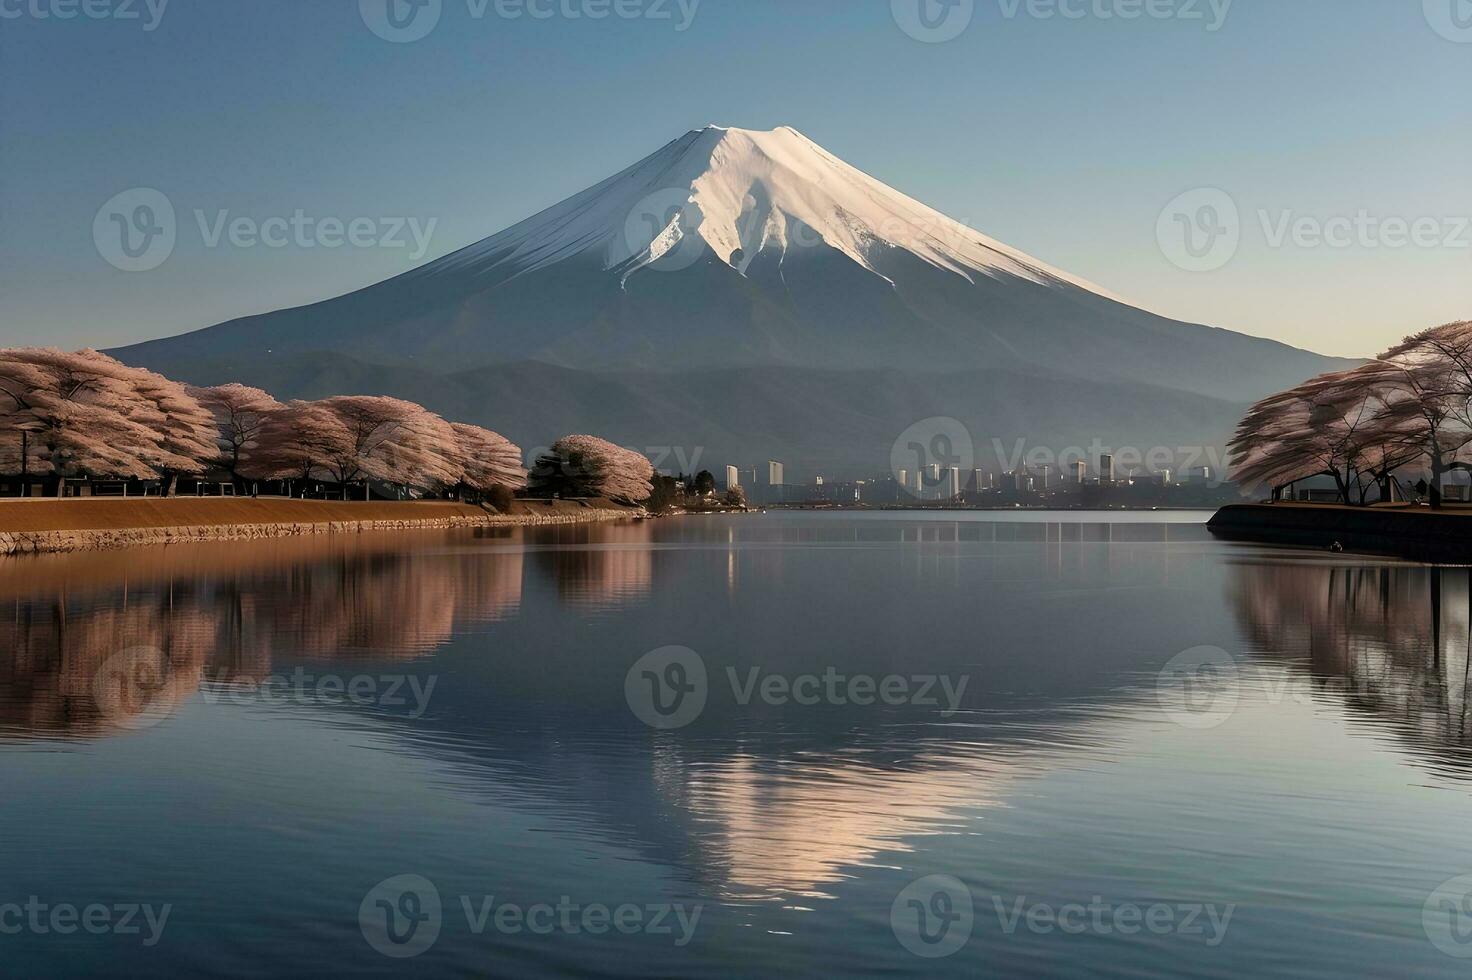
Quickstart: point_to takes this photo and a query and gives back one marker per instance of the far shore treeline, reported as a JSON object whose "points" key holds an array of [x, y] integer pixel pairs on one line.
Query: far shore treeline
{"points": [[1408, 411], [85, 415]]}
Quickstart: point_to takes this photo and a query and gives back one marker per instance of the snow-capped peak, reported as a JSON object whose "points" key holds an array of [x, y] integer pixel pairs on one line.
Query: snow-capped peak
{"points": [[742, 193]]}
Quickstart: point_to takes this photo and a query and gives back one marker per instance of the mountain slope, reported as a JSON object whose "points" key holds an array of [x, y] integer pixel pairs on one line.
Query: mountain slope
{"points": [[731, 247], [731, 250], [836, 423]]}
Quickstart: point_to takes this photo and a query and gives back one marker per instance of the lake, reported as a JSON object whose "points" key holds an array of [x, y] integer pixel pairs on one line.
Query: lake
{"points": [[817, 744]]}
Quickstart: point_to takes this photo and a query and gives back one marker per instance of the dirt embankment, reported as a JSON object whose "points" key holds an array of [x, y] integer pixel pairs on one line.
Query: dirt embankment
{"points": [[75, 524]]}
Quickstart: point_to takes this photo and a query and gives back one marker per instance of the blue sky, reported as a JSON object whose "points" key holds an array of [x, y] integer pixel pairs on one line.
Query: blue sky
{"points": [[1060, 130]]}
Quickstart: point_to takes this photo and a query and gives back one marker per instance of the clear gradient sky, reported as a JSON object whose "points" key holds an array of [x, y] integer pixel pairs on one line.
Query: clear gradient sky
{"points": [[1064, 136]]}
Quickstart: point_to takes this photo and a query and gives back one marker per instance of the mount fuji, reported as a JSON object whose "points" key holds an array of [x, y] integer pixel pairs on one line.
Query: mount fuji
{"points": [[750, 293]]}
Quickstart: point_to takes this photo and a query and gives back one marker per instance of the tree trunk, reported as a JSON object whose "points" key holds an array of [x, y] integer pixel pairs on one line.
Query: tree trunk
{"points": [[1434, 488]]}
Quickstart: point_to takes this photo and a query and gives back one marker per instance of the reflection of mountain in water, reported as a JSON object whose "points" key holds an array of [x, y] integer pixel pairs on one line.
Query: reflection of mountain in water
{"points": [[1389, 641], [755, 802]]}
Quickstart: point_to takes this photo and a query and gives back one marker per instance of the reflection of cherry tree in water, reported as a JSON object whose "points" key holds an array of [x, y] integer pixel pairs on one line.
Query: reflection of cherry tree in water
{"points": [[110, 656], [1390, 642]]}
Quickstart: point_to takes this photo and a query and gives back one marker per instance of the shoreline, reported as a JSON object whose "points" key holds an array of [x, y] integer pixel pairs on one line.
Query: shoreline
{"points": [[41, 526], [1398, 531]]}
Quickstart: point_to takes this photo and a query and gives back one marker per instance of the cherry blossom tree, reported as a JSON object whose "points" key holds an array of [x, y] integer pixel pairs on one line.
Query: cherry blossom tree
{"points": [[586, 466], [1334, 425], [1431, 373], [240, 415], [391, 440], [487, 459], [186, 429], [296, 441], [87, 414]]}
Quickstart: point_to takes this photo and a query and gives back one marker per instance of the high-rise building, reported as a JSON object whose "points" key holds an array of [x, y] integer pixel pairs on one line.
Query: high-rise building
{"points": [[733, 478], [1080, 471], [978, 480], [1045, 477], [1106, 468], [903, 476], [774, 473], [952, 484]]}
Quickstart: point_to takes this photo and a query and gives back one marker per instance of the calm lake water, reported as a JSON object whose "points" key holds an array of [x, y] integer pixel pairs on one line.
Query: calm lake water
{"points": [[797, 744]]}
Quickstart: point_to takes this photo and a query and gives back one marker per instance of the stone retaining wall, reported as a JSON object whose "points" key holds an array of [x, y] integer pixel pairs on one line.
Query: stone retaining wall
{"points": [[36, 542]]}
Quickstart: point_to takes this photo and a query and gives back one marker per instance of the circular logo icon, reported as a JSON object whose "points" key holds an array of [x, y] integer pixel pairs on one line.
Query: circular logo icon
{"points": [[1452, 19], [663, 224], [131, 688], [1447, 917], [135, 230], [1199, 688], [932, 459], [933, 21], [666, 688], [933, 917], [400, 916], [1200, 230], [400, 21]]}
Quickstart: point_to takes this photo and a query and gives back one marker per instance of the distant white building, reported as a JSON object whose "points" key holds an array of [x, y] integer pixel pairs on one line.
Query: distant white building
{"points": [[1080, 471], [951, 486], [775, 476], [1106, 468], [733, 478]]}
